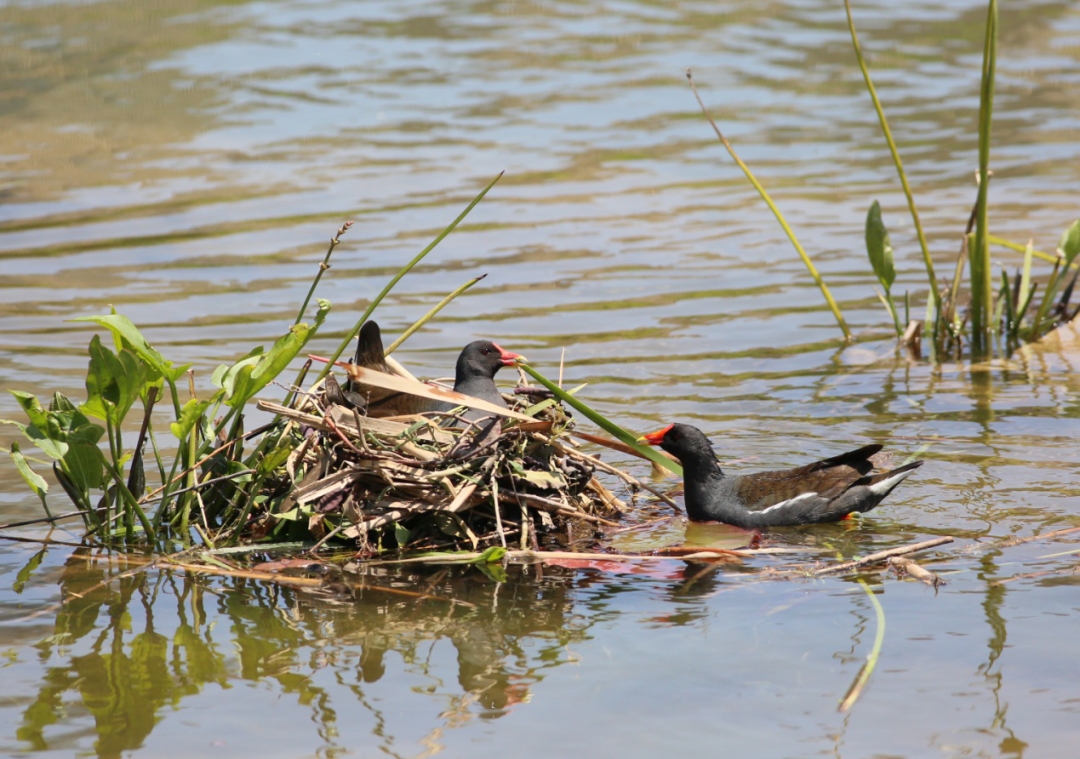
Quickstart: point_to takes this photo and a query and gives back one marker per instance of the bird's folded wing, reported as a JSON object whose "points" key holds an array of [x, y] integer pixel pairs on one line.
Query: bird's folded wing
{"points": [[363, 376]]}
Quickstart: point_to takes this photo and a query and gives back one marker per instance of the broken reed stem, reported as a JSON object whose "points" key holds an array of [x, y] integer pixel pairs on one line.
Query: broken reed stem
{"points": [[540, 556], [906, 566], [334, 241], [880, 556], [1033, 575], [776, 212], [1045, 536]]}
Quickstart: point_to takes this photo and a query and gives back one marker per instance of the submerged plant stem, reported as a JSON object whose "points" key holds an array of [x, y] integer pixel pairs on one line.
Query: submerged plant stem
{"points": [[776, 212], [867, 670]]}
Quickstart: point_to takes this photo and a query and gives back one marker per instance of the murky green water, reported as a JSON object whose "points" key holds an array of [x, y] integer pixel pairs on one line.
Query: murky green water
{"points": [[185, 161]]}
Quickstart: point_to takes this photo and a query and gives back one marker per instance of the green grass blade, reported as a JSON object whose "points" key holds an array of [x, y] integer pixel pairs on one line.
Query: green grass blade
{"points": [[1002, 242], [776, 212], [981, 285], [929, 263], [610, 427], [404, 270], [427, 317]]}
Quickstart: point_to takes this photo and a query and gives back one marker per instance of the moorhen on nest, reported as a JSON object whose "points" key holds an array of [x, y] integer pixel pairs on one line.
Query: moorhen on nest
{"points": [[825, 491], [477, 365]]}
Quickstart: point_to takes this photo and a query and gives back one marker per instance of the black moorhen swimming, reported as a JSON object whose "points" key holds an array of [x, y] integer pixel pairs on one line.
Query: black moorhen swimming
{"points": [[825, 491], [477, 365]]}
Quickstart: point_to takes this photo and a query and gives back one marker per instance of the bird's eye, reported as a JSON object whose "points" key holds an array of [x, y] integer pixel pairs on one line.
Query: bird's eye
{"points": [[486, 351]]}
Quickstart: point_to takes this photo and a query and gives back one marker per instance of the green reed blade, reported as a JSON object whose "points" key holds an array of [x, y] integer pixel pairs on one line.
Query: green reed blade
{"points": [[404, 270], [776, 212], [981, 285], [603, 423], [427, 317], [1002, 242], [927, 261]]}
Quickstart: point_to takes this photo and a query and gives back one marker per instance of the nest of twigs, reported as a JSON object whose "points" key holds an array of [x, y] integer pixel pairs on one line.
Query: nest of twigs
{"points": [[434, 481]]}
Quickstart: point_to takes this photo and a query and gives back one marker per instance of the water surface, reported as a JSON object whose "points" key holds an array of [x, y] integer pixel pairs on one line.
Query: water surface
{"points": [[186, 162]]}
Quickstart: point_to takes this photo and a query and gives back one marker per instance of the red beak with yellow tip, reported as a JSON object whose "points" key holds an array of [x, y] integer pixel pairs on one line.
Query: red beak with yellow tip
{"points": [[508, 358], [655, 438]]}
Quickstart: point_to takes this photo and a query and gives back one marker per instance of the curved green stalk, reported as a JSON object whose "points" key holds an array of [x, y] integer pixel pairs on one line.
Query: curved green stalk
{"points": [[935, 294], [867, 670], [404, 270], [779, 216]]}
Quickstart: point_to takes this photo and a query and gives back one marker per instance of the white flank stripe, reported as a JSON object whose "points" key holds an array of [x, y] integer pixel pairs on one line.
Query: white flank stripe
{"points": [[789, 502], [883, 487]]}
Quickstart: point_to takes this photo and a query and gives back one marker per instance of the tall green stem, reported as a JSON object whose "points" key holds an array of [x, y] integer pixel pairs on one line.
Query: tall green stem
{"points": [[931, 277], [779, 216], [982, 293]]}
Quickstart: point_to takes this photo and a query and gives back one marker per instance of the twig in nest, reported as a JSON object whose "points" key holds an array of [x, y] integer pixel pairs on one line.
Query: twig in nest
{"points": [[633, 481]]}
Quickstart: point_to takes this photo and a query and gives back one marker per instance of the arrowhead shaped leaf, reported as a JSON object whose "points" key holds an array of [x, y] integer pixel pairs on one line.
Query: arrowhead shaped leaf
{"points": [[255, 371], [127, 335], [879, 247]]}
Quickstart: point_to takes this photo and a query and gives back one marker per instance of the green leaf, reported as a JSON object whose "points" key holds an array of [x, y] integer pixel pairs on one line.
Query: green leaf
{"points": [[602, 422], [1070, 242], [490, 556], [127, 335], [85, 465], [189, 416], [256, 370], [36, 482], [879, 247], [113, 382], [54, 449], [31, 407], [402, 534], [543, 480], [274, 459]]}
